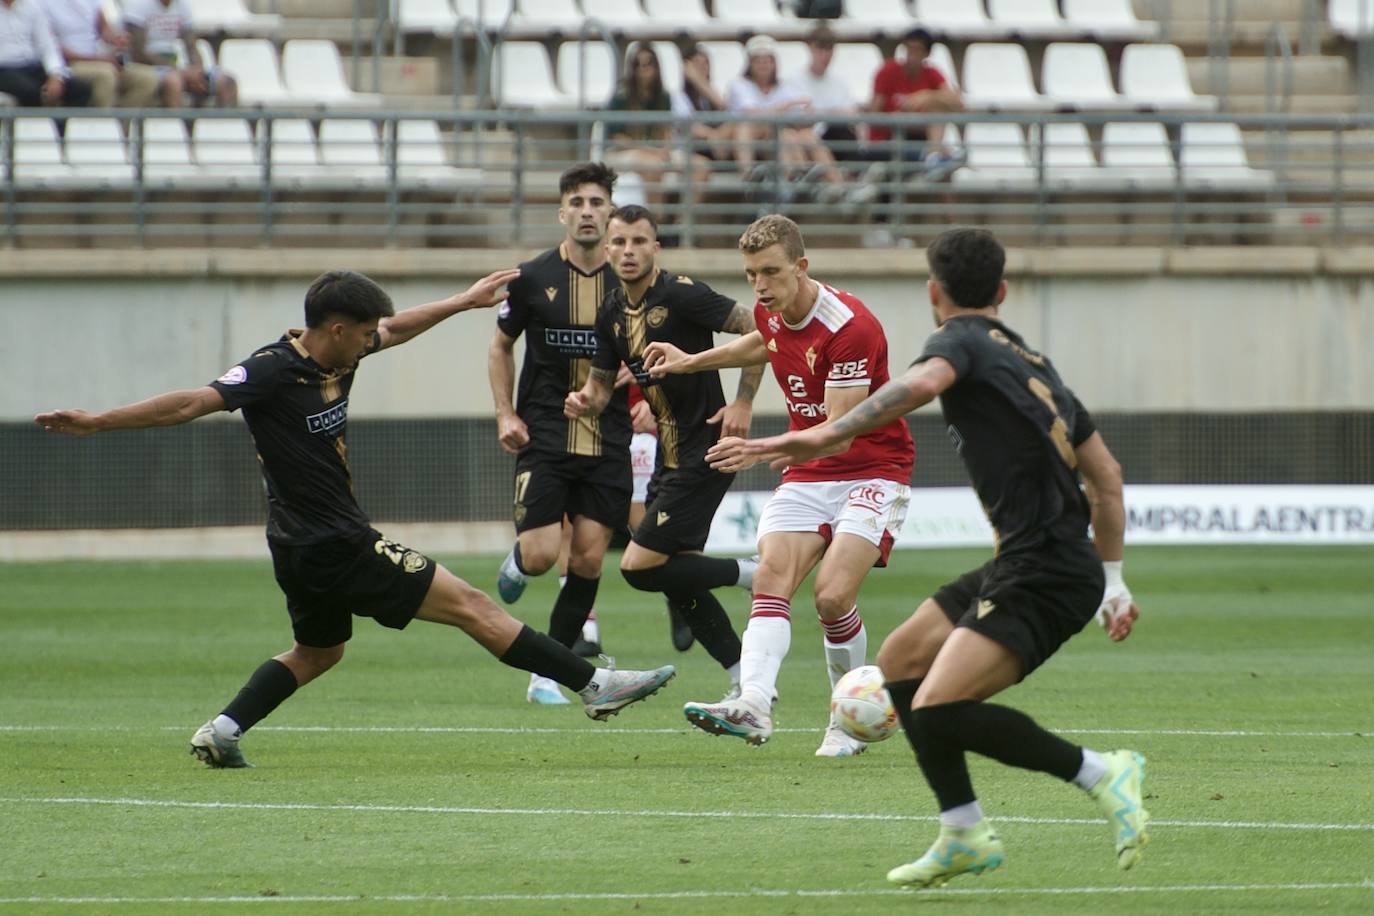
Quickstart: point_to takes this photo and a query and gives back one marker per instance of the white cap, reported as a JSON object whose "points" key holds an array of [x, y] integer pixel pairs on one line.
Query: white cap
{"points": [[761, 44]]}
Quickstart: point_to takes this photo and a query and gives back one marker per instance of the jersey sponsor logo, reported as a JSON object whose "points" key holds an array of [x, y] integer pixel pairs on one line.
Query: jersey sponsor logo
{"points": [[330, 421], [796, 398], [985, 607], [551, 292], [852, 369], [867, 496], [811, 359], [574, 343], [657, 315], [235, 376]]}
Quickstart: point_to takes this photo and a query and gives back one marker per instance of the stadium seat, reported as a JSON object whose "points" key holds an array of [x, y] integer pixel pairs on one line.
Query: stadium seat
{"points": [[349, 153], [958, 19], [1351, 18], [207, 53], [1155, 76], [522, 77], [167, 161], [793, 58], [548, 16], [224, 146], [1075, 75], [1213, 156], [494, 13], [1029, 18], [856, 63], [231, 17], [617, 16], [253, 63], [892, 17], [997, 75], [751, 15], [421, 161], [295, 158], [727, 61], [96, 149], [1140, 152], [417, 16], [587, 72], [942, 60], [314, 73], [997, 158], [38, 157], [1108, 20], [1069, 160], [679, 15]]}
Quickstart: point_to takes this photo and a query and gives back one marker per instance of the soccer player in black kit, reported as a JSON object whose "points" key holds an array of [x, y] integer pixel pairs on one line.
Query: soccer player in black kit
{"points": [[649, 304], [1024, 438], [574, 468], [328, 560]]}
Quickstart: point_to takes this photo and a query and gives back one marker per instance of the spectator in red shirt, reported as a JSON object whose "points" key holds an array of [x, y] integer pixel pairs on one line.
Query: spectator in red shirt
{"points": [[914, 85]]}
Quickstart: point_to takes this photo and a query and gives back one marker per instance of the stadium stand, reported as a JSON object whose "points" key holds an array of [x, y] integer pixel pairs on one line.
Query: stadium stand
{"points": [[1140, 152], [253, 62], [588, 72], [313, 73], [957, 19], [522, 77], [1076, 75], [1108, 20], [1029, 19], [1155, 76], [95, 148], [997, 77], [231, 17]]}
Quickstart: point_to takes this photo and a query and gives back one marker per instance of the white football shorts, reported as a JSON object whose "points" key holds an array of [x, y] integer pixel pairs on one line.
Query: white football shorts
{"points": [[871, 509], [643, 449]]}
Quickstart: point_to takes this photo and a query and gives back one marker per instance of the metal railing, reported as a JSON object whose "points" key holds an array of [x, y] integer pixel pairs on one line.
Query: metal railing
{"points": [[277, 177]]}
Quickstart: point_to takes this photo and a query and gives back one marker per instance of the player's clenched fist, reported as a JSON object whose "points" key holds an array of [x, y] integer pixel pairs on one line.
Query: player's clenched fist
{"points": [[575, 405], [511, 433], [662, 359]]}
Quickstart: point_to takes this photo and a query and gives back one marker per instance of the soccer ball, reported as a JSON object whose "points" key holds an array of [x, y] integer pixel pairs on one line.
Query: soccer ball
{"points": [[861, 706]]}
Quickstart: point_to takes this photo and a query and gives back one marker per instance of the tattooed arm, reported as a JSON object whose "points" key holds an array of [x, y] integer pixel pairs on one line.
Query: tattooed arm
{"points": [[593, 396], [734, 418]]}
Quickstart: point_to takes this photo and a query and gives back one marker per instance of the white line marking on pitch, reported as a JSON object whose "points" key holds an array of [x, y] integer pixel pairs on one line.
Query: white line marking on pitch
{"points": [[592, 812], [720, 894], [593, 731]]}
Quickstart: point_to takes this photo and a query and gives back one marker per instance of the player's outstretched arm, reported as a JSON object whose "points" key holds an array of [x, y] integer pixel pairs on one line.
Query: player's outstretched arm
{"points": [[412, 322], [591, 399], [170, 409], [662, 359], [1102, 480]]}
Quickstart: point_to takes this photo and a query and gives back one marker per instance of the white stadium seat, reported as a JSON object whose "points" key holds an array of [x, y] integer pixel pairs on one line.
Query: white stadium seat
{"points": [[253, 64], [617, 15], [997, 158], [1108, 20], [1351, 18], [856, 63], [587, 72], [997, 75], [1029, 18], [959, 19], [892, 16], [295, 158], [494, 13], [38, 154], [434, 16], [727, 61], [349, 152], [167, 158], [1139, 151], [96, 149], [313, 71], [1075, 75], [755, 15], [231, 17], [225, 147], [1069, 160], [421, 160], [1213, 156], [548, 16], [942, 60], [678, 15], [522, 77], [1156, 76], [793, 58]]}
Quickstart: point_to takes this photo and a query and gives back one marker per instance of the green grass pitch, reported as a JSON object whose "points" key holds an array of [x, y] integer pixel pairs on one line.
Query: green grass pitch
{"points": [[414, 778]]}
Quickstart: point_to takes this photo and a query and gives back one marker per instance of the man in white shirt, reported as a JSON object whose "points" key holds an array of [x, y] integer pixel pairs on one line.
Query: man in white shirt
{"points": [[32, 68], [828, 93], [157, 30], [98, 52]]}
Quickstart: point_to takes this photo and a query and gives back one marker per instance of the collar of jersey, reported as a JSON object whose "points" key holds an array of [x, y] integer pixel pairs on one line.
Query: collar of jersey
{"points": [[655, 286], [563, 256], [821, 292]]}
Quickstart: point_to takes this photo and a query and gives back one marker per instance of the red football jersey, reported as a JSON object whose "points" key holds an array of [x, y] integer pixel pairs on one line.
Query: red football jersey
{"points": [[840, 344]]}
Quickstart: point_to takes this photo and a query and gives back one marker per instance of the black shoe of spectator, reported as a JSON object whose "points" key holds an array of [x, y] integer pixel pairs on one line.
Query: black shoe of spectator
{"points": [[679, 630], [586, 649]]}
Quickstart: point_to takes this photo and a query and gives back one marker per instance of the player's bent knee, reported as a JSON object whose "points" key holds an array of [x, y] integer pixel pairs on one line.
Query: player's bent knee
{"points": [[832, 605]]}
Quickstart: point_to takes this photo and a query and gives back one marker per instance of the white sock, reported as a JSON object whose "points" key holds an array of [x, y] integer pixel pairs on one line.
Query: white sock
{"points": [[226, 728], [562, 581], [733, 671], [590, 631], [1092, 770], [846, 645], [765, 643], [963, 816]]}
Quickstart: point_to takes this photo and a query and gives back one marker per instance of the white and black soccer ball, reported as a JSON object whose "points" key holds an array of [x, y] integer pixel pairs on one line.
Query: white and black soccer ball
{"points": [[861, 706]]}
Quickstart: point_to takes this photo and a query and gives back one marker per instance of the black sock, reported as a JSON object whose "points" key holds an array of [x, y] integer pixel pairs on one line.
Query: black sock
{"points": [[267, 689], [941, 759], [710, 625], [685, 572], [570, 611], [902, 693], [535, 652], [1006, 735]]}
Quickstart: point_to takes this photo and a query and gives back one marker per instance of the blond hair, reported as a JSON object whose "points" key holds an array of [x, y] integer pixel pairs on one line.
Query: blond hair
{"points": [[773, 229]]}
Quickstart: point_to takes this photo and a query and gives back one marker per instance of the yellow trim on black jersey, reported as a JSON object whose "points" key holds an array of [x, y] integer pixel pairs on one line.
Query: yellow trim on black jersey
{"points": [[636, 339], [584, 298]]}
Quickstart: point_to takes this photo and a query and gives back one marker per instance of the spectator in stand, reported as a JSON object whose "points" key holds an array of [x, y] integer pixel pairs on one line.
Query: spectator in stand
{"points": [[155, 27], [649, 150], [32, 68], [98, 52], [914, 85], [715, 141], [828, 93], [803, 155]]}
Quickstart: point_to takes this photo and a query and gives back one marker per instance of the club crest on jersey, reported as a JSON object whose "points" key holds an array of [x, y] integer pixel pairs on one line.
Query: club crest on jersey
{"points": [[551, 292], [657, 315], [867, 496], [811, 359], [774, 323], [235, 376]]}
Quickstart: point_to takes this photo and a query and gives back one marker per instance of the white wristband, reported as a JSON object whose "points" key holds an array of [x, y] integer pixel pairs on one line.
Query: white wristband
{"points": [[1112, 570]]}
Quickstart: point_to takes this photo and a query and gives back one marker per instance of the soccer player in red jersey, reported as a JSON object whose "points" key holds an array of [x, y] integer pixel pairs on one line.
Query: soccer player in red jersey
{"points": [[842, 512]]}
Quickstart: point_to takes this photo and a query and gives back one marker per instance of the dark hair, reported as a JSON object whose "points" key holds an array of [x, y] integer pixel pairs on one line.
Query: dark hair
{"points": [[633, 213], [921, 35], [346, 294], [629, 82], [822, 36], [597, 173], [968, 264], [694, 95]]}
